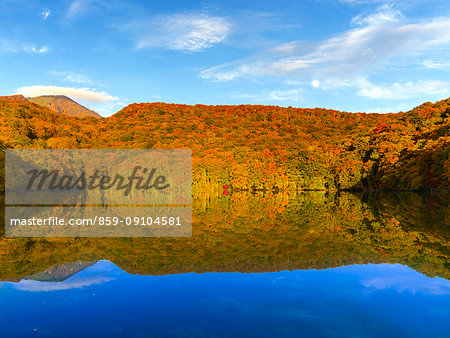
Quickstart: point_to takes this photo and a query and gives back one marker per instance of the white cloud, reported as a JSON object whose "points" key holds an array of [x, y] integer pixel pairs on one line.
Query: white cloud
{"points": [[9, 46], [285, 95], [72, 283], [404, 90], [374, 2], [186, 32], [72, 77], [382, 110], [410, 283], [77, 7], [399, 90], [100, 272], [109, 109], [82, 94], [384, 14], [436, 64], [88, 7], [382, 39], [45, 13], [400, 106], [37, 50], [361, 2]]}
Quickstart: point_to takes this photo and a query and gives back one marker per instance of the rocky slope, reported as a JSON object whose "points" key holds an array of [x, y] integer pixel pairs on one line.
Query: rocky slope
{"points": [[63, 105]]}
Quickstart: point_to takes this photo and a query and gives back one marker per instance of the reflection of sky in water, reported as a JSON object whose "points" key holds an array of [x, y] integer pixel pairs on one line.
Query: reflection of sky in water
{"points": [[102, 271], [360, 300]]}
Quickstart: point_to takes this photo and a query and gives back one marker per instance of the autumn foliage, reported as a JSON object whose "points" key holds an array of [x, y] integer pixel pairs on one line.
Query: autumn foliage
{"points": [[260, 147], [265, 232]]}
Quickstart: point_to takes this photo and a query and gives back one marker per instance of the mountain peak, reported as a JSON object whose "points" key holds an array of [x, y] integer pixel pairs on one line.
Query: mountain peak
{"points": [[63, 105]]}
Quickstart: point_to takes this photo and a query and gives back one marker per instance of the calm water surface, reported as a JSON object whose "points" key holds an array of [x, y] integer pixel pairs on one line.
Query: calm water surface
{"points": [[309, 265]]}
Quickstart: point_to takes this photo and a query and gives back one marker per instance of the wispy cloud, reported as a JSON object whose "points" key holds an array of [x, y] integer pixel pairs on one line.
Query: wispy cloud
{"points": [[77, 7], [7, 46], [410, 283], [73, 283], [399, 90], [375, 2], [185, 32], [45, 13], [72, 77], [431, 64], [404, 90], [360, 2], [34, 49], [100, 272], [400, 106], [281, 95], [384, 14], [382, 39], [82, 94]]}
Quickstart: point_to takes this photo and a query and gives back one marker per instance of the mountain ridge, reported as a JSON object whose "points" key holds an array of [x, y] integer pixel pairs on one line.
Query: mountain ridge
{"points": [[18, 97], [261, 147], [64, 105]]}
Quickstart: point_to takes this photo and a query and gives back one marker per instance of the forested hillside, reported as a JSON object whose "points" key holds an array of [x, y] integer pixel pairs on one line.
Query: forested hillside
{"points": [[274, 232], [260, 147]]}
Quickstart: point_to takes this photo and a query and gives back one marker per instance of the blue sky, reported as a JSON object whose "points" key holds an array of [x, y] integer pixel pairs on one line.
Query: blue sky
{"points": [[353, 55]]}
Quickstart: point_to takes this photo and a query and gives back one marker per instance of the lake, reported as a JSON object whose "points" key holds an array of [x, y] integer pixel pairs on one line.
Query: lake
{"points": [[302, 265]]}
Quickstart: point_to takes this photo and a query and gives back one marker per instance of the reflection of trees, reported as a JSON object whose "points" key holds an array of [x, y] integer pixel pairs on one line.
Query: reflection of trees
{"points": [[270, 232]]}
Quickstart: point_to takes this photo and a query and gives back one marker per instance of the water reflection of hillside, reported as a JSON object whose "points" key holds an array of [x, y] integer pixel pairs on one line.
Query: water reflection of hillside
{"points": [[249, 233]]}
